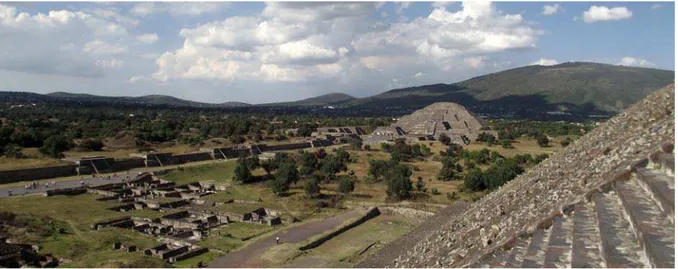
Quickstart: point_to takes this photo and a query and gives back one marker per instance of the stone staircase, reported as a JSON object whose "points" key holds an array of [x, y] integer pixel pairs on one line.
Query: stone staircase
{"points": [[627, 222]]}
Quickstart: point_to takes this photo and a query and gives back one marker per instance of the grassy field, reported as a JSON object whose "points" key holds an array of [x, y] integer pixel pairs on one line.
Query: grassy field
{"points": [[342, 250], [86, 247], [220, 173]]}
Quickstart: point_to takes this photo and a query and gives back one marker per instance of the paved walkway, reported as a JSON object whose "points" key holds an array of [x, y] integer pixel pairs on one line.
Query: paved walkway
{"points": [[89, 181], [247, 257]]}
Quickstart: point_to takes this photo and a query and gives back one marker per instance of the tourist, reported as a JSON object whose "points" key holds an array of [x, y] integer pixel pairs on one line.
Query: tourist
{"points": [[10, 192], [277, 240], [46, 185]]}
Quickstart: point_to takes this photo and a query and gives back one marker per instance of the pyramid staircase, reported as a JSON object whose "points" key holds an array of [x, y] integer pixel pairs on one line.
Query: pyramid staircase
{"points": [[627, 222]]}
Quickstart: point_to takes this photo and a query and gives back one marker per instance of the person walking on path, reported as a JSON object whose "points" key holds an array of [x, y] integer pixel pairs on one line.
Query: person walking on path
{"points": [[277, 240]]}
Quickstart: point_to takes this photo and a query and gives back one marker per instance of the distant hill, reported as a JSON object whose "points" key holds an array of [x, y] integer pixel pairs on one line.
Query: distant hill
{"points": [[322, 100], [583, 88], [567, 86]]}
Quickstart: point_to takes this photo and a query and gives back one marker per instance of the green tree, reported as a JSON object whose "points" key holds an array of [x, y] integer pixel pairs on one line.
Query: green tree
{"points": [[505, 143], [474, 180], [55, 145], [92, 144], [312, 187], [331, 165], [241, 173], [287, 173], [399, 185], [343, 155], [346, 186], [12, 151], [279, 186]]}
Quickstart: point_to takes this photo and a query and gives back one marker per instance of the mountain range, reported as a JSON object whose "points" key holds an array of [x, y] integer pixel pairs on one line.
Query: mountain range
{"points": [[565, 87]]}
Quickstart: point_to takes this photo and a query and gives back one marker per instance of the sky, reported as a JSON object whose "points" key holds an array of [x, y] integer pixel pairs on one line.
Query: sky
{"points": [[259, 52]]}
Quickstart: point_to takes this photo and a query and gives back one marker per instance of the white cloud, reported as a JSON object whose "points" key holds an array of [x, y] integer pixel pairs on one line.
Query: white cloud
{"points": [[475, 62], [309, 42], [148, 38], [656, 6], [60, 42], [441, 4], [402, 6], [101, 47], [288, 42], [551, 9], [602, 13], [630, 61], [110, 63], [176, 8], [545, 62]]}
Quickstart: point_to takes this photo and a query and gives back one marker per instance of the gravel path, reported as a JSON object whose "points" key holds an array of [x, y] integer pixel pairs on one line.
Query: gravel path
{"points": [[89, 181], [246, 256]]}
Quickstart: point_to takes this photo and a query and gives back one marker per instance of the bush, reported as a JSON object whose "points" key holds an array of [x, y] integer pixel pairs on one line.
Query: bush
{"points": [[452, 196], [312, 187], [542, 141], [12, 151], [92, 144], [346, 186], [55, 145], [435, 191], [399, 185], [506, 144], [241, 173], [443, 138], [421, 186], [474, 180]]}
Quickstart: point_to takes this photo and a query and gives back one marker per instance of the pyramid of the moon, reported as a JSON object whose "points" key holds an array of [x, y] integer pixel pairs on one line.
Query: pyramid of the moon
{"points": [[448, 118]]}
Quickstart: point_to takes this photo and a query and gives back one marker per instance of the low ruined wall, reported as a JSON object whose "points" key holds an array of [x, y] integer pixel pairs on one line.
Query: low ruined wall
{"points": [[127, 164], [9, 176], [68, 191], [191, 157], [294, 146], [373, 212]]}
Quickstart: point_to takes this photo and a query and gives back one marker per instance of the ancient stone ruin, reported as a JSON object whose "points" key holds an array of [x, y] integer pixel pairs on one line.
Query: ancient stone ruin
{"points": [[607, 200], [428, 123]]}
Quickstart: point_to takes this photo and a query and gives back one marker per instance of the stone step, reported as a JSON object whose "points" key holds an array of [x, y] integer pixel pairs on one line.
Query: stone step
{"points": [[493, 260], [619, 244], [517, 253], [559, 250], [661, 187], [534, 257], [586, 242], [652, 227]]}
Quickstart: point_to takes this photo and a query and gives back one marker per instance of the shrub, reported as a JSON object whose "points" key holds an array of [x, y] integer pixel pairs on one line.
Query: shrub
{"points": [[542, 141], [452, 196], [443, 138], [435, 191], [312, 187], [92, 144], [241, 173], [346, 186], [55, 145], [474, 180]]}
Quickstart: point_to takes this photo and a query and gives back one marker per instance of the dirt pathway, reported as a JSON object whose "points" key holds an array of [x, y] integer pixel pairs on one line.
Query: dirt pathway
{"points": [[246, 257]]}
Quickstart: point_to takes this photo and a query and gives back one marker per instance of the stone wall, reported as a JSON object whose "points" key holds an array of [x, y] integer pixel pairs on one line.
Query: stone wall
{"points": [[371, 213], [127, 164], [37, 173], [191, 157]]}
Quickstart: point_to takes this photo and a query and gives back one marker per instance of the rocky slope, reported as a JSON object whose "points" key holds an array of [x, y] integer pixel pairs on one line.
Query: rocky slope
{"points": [[524, 205]]}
